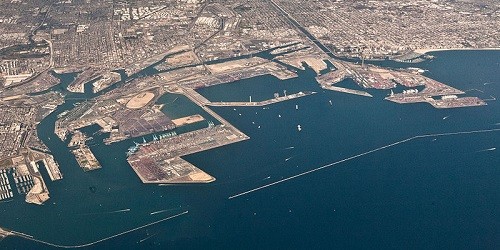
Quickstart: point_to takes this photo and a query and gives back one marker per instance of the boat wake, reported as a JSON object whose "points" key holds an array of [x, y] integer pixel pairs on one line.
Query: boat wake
{"points": [[163, 211], [147, 238], [110, 212], [486, 150]]}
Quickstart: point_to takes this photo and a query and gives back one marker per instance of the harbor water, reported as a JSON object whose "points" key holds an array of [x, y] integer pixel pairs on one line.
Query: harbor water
{"points": [[427, 192]]}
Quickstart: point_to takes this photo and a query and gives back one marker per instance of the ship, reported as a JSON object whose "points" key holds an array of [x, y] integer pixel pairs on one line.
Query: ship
{"points": [[132, 150], [167, 135], [299, 128], [211, 124]]}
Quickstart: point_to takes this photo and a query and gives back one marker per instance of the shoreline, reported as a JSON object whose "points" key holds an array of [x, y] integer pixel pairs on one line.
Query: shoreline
{"points": [[425, 51]]}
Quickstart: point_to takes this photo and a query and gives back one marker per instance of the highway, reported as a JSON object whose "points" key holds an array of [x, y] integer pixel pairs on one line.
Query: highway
{"points": [[303, 30]]}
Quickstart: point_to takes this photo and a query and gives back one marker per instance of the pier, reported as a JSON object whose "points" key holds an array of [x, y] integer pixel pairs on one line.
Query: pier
{"points": [[86, 158], [202, 102], [345, 90], [160, 162], [52, 168], [262, 103]]}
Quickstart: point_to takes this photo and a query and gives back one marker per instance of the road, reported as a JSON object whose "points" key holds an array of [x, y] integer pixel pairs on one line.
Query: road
{"points": [[302, 29]]}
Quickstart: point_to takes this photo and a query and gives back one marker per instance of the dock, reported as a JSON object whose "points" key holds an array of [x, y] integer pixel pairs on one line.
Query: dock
{"points": [[444, 103], [345, 90], [262, 103], [52, 168], [86, 158], [5, 188], [202, 102], [160, 162]]}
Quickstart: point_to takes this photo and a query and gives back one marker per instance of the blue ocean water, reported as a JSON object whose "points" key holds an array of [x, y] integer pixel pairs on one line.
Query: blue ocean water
{"points": [[431, 192]]}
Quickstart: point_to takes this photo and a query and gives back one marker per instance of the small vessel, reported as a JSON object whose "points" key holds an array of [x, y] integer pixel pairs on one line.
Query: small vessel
{"points": [[331, 104], [279, 116], [299, 128], [296, 107]]}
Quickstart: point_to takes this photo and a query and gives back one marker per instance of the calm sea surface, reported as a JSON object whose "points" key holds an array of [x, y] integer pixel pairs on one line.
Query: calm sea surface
{"points": [[431, 192]]}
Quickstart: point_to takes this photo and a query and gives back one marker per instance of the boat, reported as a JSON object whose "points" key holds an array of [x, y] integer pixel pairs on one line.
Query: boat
{"points": [[299, 128], [132, 149], [297, 107]]}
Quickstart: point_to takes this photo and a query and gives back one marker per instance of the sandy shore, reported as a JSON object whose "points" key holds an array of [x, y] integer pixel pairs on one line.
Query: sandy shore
{"points": [[423, 51]]}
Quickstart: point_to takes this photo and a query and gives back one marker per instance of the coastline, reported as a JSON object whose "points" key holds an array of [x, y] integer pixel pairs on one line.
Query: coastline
{"points": [[425, 51]]}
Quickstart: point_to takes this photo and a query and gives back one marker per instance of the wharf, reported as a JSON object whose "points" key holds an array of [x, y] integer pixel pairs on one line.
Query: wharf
{"points": [[160, 162], [195, 97], [202, 102], [52, 168], [262, 103], [440, 104], [86, 158], [345, 90]]}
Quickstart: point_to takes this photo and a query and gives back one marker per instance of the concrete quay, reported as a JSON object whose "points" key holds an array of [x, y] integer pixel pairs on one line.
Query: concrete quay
{"points": [[262, 103], [345, 90]]}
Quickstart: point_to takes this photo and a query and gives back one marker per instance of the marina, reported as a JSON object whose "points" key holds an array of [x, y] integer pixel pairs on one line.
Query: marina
{"points": [[5, 187]]}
